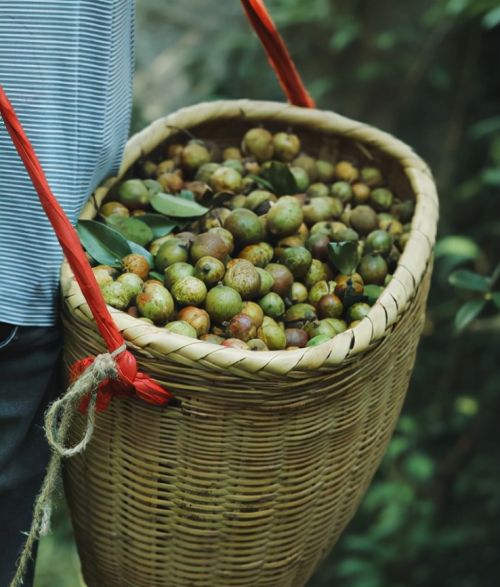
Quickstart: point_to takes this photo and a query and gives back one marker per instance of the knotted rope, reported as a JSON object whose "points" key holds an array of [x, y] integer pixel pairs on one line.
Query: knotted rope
{"points": [[58, 420]]}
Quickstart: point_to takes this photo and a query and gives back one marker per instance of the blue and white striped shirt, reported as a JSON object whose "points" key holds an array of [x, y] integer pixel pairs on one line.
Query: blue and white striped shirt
{"points": [[67, 67]]}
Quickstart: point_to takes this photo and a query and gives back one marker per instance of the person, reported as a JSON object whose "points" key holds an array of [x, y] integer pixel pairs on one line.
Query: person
{"points": [[67, 68]]}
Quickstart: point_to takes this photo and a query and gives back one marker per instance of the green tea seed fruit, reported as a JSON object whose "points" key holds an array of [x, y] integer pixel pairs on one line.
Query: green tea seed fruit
{"points": [[209, 244], [330, 306], [254, 311], [298, 293], [231, 153], [210, 270], [317, 272], [342, 190], [245, 226], [170, 182], [403, 211], [212, 338], [308, 164], [235, 343], [318, 190], [244, 278], [177, 271], [373, 269], [194, 156], [116, 294], [296, 337], [357, 311], [225, 179], [372, 292], [136, 231], [225, 235], [155, 303], [325, 170], [363, 219], [286, 146], [242, 327], [301, 178], [320, 289], [256, 344], [181, 327], [266, 281], [319, 339], [299, 315], [361, 192], [285, 217], [381, 199], [215, 218], [259, 254], [257, 197], [272, 305], [196, 317], [317, 244], [171, 251], [236, 164], [114, 209], [320, 327], [286, 243], [134, 194], [222, 303], [205, 172], [379, 241], [259, 143], [189, 291], [346, 171], [135, 263], [282, 277], [337, 324], [371, 176], [272, 335], [132, 282], [102, 276], [298, 260]]}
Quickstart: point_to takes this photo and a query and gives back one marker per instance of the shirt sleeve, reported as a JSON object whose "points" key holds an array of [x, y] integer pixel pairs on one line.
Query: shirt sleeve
{"points": [[67, 68]]}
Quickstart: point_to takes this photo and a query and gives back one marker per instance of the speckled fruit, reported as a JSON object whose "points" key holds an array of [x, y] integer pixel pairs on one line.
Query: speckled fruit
{"points": [[132, 282], [317, 272], [271, 333], [244, 278], [135, 263], [116, 294], [225, 179], [245, 226], [171, 251], [363, 219], [177, 271], [266, 281], [298, 260], [285, 217], [155, 303], [373, 269], [210, 270], [259, 254], [272, 305], [222, 303], [196, 317], [189, 291], [101, 275]]}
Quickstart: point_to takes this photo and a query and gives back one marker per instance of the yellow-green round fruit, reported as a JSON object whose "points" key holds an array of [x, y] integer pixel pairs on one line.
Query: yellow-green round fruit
{"points": [[134, 194], [172, 251], [194, 156], [285, 217], [116, 294], [286, 146], [189, 291], [222, 303], [181, 327], [245, 226], [155, 303], [177, 271], [272, 335], [259, 143]]}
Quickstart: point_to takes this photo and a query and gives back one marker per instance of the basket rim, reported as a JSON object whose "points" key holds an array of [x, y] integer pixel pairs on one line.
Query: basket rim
{"points": [[384, 313]]}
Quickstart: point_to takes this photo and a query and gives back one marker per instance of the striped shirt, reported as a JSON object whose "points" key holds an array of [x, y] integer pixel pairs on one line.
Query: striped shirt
{"points": [[67, 67]]}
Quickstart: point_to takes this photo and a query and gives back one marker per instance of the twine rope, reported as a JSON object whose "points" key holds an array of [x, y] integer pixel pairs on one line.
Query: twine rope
{"points": [[58, 420]]}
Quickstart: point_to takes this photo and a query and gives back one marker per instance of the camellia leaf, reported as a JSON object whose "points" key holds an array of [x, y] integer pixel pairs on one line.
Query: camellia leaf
{"points": [[176, 207], [457, 246], [495, 296], [105, 244], [344, 255], [159, 224], [280, 178], [156, 275], [133, 229], [142, 251], [465, 279], [261, 181], [468, 312]]}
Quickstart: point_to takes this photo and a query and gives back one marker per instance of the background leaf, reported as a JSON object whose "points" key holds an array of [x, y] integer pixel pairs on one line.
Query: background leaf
{"points": [[159, 224], [106, 245], [468, 312], [279, 176], [469, 280]]}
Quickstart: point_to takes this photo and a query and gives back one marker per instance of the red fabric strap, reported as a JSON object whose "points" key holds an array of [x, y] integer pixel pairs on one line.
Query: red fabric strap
{"points": [[277, 53], [131, 380]]}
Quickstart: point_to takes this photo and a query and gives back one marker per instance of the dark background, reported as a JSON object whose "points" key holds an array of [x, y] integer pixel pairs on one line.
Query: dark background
{"points": [[428, 72]]}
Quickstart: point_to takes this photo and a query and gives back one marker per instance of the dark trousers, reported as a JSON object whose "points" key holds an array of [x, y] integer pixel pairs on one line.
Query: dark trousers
{"points": [[29, 380]]}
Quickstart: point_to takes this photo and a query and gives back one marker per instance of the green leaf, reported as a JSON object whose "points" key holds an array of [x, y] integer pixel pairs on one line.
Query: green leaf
{"points": [[105, 244], [133, 229], [135, 248], [156, 275], [372, 293], [492, 18], [176, 207], [468, 312], [457, 246], [345, 256], [261, 181], [495, 297], [280, 177], [464, 279], [159, 224]]}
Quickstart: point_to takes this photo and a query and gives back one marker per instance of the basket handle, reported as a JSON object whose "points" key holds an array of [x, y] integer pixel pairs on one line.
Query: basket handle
{"points": [[277, 53]]}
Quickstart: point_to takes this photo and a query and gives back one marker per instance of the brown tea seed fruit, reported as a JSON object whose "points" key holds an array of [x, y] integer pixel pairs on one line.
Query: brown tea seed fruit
{"points": [[135, 263], [196, 317]]}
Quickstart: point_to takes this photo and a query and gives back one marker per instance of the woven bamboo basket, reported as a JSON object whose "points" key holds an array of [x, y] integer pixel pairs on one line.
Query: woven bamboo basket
{"points": [[252, 478]]}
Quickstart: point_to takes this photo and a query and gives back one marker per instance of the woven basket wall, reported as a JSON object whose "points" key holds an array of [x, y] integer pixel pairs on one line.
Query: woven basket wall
{"points": [[251, 480]]}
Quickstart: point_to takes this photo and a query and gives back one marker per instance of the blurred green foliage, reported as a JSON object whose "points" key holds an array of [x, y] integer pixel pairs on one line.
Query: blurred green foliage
{"points": [[427, 72]]}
